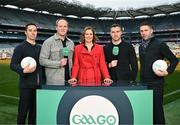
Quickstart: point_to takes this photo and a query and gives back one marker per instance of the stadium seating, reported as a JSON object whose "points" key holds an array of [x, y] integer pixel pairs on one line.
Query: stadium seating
{"points": [[45, 21], [12, 22]]}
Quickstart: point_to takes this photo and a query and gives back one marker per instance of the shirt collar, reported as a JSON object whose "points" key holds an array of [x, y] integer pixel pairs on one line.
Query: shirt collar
{"points": [[91, 47], [57, 37]]}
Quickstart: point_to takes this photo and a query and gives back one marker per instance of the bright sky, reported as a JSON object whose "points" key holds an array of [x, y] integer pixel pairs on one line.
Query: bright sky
{"points": [[118, 4]]}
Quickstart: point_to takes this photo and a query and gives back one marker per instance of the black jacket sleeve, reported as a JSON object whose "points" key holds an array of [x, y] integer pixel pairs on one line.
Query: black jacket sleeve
{"points": [[133, 63], [170, 56], [16, 60]]}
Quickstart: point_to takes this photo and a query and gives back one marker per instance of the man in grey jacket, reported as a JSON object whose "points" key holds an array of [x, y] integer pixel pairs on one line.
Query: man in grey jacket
{"points": [[56, 55]]}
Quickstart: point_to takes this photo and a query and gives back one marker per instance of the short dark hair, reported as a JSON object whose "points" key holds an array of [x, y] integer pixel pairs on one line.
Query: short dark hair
{"points": [[26, 27], [116, 25], [61, 19], [147, 24]]}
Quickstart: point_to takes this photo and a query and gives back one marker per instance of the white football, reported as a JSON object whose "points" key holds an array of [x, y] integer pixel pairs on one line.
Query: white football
{"points": [[159, 65], [28, 61]]}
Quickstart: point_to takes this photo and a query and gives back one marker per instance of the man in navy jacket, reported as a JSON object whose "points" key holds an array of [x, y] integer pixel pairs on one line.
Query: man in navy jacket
{"points": [[150, 50], [29, 77]]}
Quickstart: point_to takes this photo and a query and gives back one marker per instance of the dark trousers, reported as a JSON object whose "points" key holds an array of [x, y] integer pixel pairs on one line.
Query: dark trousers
{"points": [[27, 106], [158, 112]]}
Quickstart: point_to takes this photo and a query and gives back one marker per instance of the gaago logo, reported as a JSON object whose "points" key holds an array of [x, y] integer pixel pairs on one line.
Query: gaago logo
{"points": [[94, 110], [90, 120]]}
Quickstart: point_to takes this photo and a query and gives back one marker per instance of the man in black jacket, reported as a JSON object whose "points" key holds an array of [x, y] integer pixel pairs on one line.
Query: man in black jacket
{"points": [[120, 57], [150, 50], [29, 77]]}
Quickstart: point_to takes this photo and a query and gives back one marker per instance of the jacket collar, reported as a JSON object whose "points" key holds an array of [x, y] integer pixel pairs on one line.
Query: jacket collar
{"points": [[57, 37]]}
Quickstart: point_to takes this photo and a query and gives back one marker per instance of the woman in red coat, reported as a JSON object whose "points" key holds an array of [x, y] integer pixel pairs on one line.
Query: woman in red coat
{"points": [[89, 62]]}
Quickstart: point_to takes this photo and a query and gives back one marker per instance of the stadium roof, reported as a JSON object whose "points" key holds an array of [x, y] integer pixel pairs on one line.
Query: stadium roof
{"points": [[66, 8]]}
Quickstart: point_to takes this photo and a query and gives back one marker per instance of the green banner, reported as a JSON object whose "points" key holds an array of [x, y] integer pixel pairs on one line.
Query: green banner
{"points": [[142, 104], [51, 103], [47, 104]]}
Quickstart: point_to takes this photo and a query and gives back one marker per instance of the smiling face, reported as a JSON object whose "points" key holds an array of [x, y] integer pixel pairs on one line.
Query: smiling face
{"points": [[146, 32], [88, 36], [31, 32], [62, 27]]}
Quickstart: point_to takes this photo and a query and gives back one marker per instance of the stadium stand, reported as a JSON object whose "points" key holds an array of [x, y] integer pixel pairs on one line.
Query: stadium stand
{"points": [[6, 50], [12, 22], [20, 18]]}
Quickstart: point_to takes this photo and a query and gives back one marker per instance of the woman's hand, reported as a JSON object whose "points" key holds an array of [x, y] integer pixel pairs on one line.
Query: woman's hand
{"points": [[107, 82], [73, 82]]}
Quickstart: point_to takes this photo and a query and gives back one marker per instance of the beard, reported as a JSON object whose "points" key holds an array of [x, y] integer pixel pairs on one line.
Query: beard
{"points": [[116, 38]]}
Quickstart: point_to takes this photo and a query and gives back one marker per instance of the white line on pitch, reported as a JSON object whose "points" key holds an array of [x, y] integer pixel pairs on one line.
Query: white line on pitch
{"points": [[171, 93], [7, 96]]}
